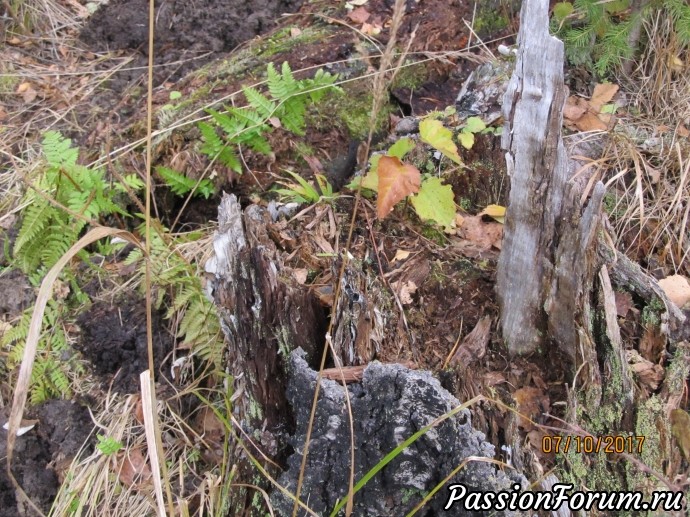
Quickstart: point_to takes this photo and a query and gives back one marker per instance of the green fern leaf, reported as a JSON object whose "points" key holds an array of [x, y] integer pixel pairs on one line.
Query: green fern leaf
{"points": [[216, 149], [36, 217], [178, 183], [263, 106], [293, 116], [58, 150]]}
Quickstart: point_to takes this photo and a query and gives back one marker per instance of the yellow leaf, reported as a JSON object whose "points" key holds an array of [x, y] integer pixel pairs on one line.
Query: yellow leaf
{"points": [[496, 212], [400, 255], [466, 139], [433, 133]]}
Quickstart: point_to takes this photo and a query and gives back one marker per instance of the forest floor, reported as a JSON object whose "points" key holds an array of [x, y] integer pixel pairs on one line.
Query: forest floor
{"points": [[87, 80]]}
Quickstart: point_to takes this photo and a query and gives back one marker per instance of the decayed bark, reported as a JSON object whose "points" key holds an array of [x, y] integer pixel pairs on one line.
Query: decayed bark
{"points": [[264, 316]]}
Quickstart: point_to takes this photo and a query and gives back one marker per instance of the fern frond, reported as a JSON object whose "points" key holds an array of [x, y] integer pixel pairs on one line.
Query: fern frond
{"points": [[230, 125], [281, 85], [55, 244], [680, 13], [35, 219], [18, 332], [263, 106], [293, 111], [60, 381], [182, 185], [215, 148], [58, 150]]}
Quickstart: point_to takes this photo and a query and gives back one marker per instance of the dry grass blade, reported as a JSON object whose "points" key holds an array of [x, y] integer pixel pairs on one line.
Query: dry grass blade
{"points": [[24, 379], [148, 399]]}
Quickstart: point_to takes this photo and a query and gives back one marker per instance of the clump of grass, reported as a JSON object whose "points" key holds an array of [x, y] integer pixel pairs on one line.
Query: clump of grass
{"points": [[650, 153]]}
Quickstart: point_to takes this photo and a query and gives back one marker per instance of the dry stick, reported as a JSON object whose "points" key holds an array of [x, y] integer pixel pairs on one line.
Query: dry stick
{"points": [[379, 86], [147, 278]]}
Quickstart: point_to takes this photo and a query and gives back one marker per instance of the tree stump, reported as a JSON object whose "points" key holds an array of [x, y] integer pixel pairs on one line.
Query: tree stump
{"points": [[555, 292]]}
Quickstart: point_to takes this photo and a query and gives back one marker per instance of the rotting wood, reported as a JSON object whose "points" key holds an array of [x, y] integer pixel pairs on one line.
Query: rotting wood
{"points": [[264, 316]]}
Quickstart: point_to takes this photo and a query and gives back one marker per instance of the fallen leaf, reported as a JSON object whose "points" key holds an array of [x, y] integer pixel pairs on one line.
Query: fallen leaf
{"points": [[654, 174], [439, 137], [482, 234], [371, 29], [359, 15], [531, 403], [400, 255], [652, 343], [677, 289], [574, 108], [27, 92], [496, 212], [300, 275], [405, 290], [133, 467], [397, 180], [590, 122], [682, 131], [648, 374], [602, 94], [435, 202], [294, 32]]}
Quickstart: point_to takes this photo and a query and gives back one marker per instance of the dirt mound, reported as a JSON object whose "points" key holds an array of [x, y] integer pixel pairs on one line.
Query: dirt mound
{"points": [[184, 30], [114, 340], [43, 454]]}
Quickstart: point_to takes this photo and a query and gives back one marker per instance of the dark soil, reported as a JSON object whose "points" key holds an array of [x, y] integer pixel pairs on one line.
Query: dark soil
{"points": [[187, 34], [114, 340], [42, 455]]}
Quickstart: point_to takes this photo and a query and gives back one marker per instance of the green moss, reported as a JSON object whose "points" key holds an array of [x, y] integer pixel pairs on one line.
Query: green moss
{"points": [[411, 75], [651, 314], [283, 41], [465, 204], [350, 110], [492, 17], [434, 234]]}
